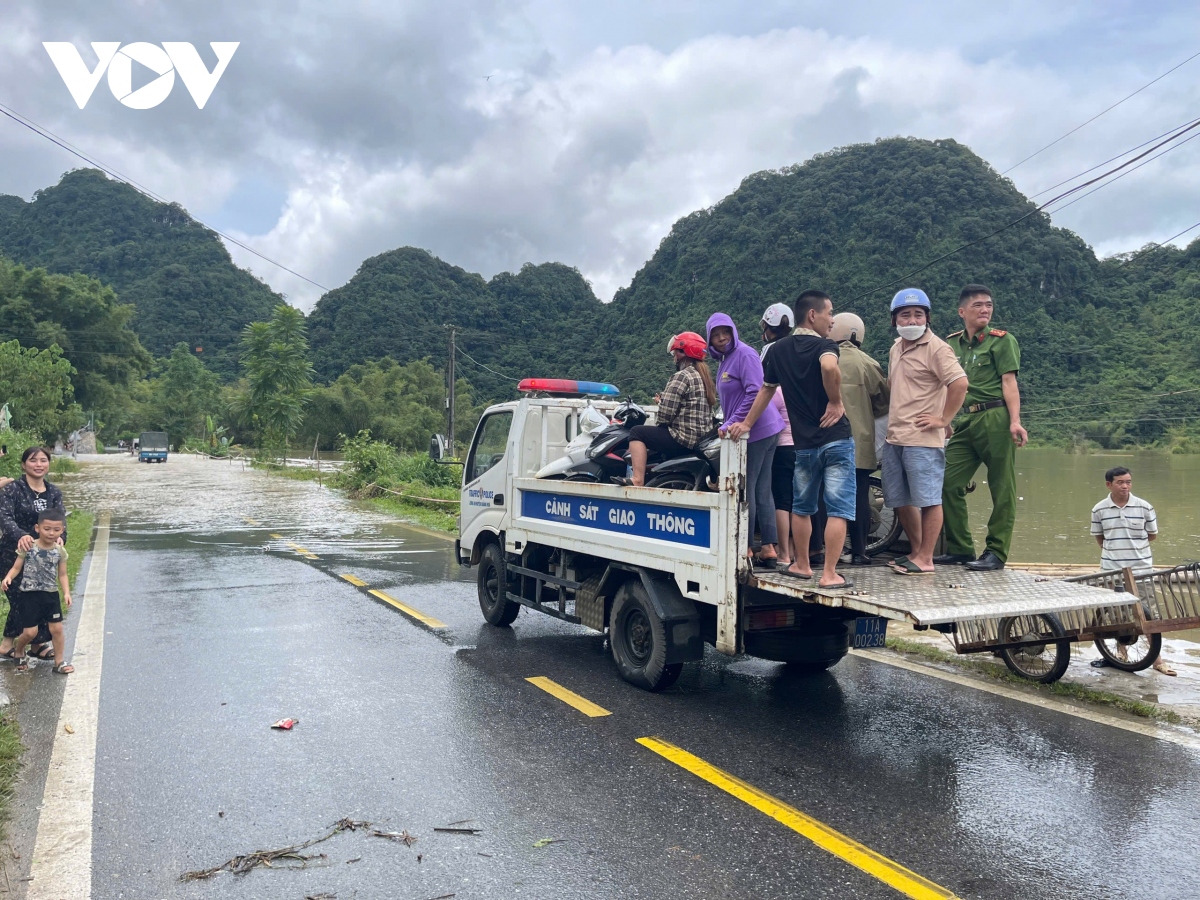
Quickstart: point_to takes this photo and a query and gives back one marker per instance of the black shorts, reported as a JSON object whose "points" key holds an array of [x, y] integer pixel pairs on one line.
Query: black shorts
{"points": [[783, 471], [34, 608], [658, 440]]}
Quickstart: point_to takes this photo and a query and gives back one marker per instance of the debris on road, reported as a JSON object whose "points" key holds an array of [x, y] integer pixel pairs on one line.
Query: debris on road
{"points": [[68, 729], [286, 724], [326, 896], [292, 856], [460, 830], [402, 837], [546, 842], [356, 859]]}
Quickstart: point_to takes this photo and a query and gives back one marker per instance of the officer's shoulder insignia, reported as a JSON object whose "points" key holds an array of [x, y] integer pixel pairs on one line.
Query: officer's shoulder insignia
{"points": [[997, 332], [955, 334]]}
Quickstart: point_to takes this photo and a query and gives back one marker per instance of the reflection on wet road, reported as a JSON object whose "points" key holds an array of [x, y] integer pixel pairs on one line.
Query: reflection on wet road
{"points": [[219, 624]]}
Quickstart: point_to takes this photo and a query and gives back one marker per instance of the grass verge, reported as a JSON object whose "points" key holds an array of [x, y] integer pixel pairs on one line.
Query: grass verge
{"points": [[413, 508], [63, 465], [1068, 690]]}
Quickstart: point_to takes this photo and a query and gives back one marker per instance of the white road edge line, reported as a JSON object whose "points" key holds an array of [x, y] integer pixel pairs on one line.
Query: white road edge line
{"points": [[1147, 729], [62, 851]]}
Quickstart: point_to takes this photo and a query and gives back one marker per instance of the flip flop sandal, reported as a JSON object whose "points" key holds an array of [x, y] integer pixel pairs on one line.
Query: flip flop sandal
{"points": [[47, 652], [22, 663], [64, 668], [8, 654], [771, 562], [797, 575], [910, 568], [846, 583]]}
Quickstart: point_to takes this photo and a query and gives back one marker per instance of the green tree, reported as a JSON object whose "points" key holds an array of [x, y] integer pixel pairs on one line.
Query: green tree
{"points": [[85, 321], [278, 377], [401, 405], [36, 385], [183, 396]]}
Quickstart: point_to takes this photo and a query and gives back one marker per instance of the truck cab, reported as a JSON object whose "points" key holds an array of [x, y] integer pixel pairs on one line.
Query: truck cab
{"points": [[152, 447]]}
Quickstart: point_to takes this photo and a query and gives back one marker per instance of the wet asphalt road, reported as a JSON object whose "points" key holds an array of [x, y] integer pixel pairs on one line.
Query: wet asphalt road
{"points": [[215, 629]]}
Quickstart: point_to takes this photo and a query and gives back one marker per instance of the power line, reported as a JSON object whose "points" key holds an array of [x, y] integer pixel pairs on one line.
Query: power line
{"points": [[1132, 399], [1127, 172], [1101, 113], [37, 129], [482, 366], [1107, 161], [1160, 244], [1067, 193]]}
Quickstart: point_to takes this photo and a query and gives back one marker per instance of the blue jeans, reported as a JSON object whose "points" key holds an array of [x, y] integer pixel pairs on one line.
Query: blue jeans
{"points": [[831, 465]]}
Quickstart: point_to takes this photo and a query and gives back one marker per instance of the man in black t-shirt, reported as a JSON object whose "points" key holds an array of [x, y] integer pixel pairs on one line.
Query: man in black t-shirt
{"points": [[805, 365]]}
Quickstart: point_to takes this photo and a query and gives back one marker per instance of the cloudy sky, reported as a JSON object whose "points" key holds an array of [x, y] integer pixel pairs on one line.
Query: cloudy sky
{"points": [[495, 133]]}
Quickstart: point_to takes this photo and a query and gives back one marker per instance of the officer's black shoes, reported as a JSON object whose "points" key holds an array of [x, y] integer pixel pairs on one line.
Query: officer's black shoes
{"points": [[953, 559], [989, 562], [861, 561]]}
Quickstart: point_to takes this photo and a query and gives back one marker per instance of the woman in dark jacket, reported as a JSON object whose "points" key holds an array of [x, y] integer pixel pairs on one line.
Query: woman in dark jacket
{"points": [[20, 503]]}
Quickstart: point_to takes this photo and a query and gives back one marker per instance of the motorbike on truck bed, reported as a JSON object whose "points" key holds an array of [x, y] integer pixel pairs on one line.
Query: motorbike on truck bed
{"points": [[664, 571]]}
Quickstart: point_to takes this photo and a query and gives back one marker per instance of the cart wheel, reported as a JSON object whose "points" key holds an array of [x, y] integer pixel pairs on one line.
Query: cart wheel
{"points": [[885, 524], [639, 640], [1132, 653], [1045, 661], [497, 609]]}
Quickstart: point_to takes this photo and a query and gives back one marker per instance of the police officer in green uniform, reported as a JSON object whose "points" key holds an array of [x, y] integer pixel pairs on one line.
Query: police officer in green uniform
{"points": [[987, 431]]}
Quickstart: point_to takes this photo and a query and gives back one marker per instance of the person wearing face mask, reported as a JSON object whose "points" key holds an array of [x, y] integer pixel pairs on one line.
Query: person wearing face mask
{"points": [[739, 377], [927, 388]]}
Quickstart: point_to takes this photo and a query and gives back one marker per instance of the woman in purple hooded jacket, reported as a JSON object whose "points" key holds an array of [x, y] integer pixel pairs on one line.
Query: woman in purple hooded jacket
{"points": [[739, 377]]}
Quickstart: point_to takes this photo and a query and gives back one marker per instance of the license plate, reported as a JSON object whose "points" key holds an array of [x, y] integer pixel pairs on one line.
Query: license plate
{"points": [[870, 631]]}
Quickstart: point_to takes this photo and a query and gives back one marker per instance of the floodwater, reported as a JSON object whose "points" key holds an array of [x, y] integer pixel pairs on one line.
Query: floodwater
{"points": [[1057, 491]]}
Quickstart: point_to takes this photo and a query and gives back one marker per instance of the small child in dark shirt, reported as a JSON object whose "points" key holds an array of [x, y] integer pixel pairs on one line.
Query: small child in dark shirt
{"points": [[37, 601]]}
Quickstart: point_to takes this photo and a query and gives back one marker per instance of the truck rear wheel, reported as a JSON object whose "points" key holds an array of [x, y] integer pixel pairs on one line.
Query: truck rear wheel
{"points": [[639, 640], [497, 609]]}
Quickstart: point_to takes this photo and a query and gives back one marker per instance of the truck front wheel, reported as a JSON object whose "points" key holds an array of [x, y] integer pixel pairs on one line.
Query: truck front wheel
{"points": [[497, 609], [639, 640]]}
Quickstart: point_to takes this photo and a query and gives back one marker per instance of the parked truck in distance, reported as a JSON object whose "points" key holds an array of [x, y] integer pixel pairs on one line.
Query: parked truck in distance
{"points": [[152, 447]]}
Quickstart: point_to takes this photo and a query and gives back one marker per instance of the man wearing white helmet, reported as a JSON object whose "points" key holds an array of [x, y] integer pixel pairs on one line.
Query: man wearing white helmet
{"points": [[865, 395], [927, 388]]}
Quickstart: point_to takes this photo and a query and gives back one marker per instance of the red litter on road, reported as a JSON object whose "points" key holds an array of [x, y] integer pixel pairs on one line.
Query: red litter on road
{"points": [[286, 724]]}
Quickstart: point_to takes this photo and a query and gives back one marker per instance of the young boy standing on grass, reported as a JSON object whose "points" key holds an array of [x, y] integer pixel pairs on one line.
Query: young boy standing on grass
{"points": [[45, 570]]}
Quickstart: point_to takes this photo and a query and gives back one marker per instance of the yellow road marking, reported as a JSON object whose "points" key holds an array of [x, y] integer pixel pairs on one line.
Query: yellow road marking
{"points": [[307, 554], [252, 521], [554, 689], [357, 582], [408, 610], [889, 872], [278, 537]]}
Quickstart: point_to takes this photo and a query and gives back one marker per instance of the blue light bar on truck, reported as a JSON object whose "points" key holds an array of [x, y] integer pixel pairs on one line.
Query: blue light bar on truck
{"points": [[567, 387]]}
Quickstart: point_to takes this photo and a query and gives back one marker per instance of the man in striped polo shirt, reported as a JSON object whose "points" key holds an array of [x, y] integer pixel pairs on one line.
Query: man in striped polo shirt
{"points": [[1124, 525]]}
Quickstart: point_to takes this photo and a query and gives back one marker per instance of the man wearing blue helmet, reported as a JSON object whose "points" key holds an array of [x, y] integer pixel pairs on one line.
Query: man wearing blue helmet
{"points": [[927, 388]]}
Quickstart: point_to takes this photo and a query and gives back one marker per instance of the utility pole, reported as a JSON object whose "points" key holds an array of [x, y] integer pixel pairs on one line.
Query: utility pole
{"points": [[450, 390]]}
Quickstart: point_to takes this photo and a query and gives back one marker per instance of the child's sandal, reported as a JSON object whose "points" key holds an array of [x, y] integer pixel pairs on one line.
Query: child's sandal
{"points": [[64, 668], [22, 663]]}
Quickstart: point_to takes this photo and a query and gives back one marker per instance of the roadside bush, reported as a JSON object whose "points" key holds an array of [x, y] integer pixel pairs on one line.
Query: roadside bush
{"points": [[16, 442], [369, 462]]}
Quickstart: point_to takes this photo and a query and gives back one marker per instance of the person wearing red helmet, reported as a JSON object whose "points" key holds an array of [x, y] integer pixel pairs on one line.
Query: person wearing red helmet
{"points": [[685, 408]]}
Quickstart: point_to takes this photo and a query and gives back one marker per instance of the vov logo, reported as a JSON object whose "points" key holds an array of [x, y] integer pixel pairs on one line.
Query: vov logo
{"points": [[171, 57]]}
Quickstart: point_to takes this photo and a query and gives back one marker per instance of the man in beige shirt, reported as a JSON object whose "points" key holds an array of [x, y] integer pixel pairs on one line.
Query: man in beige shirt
{"points": [[927, 387], [865, 395]]}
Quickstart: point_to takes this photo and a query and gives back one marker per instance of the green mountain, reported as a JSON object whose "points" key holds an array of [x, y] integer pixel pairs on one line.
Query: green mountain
{"points": [[537, 322], [176, 273], [855, 221]]}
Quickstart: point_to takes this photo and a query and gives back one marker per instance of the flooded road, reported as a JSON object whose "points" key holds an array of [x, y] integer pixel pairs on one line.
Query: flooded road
{"points": [[229, 607]]}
